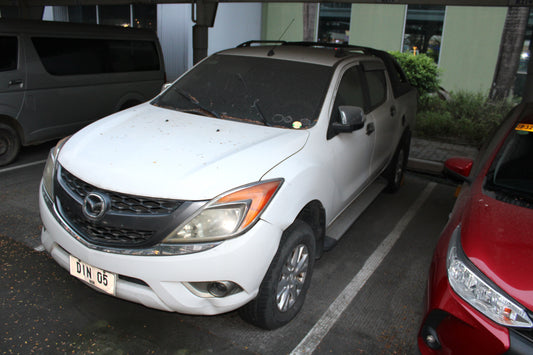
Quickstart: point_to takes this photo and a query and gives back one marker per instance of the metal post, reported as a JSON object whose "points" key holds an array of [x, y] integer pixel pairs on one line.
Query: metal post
{"points": [[203, 17]]}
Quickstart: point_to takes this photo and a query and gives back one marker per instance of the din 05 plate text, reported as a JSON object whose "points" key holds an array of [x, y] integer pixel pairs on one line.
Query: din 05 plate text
{"points": [[99, 278]]}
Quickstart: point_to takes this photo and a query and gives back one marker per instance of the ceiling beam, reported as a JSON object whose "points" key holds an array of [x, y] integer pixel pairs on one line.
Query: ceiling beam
{"points": [[505, 3]]}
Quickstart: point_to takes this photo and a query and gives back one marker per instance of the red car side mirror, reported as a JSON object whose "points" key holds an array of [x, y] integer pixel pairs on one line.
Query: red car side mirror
{"points": [[459, 166]]}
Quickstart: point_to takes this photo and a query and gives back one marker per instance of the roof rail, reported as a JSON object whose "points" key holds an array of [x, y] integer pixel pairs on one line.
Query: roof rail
{"points": [[341, 47], [250, 43]]}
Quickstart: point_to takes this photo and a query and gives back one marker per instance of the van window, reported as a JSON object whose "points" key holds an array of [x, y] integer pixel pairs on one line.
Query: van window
{"points": [[74, 56], [9, 50]]}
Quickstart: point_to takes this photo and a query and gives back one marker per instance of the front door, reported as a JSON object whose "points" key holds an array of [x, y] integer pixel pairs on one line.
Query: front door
{"points": [[350, 153]]}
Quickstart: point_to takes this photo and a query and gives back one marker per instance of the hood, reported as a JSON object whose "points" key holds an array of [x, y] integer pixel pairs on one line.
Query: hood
{"points": [[498, 238], [156, 152]]}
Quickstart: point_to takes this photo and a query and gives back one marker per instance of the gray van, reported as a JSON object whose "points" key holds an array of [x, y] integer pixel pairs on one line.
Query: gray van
{"points": [[55, 77]]}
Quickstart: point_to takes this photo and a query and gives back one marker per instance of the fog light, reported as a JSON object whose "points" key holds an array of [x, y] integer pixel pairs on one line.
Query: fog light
{"points": [[220, 288], [430, 338], [213, 288]]}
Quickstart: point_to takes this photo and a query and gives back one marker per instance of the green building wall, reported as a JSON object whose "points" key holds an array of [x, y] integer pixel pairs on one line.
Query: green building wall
{"points": [[278, 17], [470, 40], [470, 46], [377, 26]]}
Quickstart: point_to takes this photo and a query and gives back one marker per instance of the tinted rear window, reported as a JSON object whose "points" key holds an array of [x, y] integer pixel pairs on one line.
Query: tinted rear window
{"points": [[258, 90], [377, 87], [9, 50], [75, 56]]}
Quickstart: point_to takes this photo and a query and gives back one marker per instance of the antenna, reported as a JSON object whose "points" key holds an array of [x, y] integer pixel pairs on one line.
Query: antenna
{"points": [[271, 51], [286, 29]]}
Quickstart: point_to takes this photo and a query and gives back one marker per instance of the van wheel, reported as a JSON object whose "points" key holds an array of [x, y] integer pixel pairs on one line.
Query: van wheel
{"points": [[394, 174], [9, 144], [129, 104], [282, 292]]}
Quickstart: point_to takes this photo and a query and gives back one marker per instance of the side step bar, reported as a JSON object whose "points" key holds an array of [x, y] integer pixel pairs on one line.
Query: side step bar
{"points": [[337, 229]]}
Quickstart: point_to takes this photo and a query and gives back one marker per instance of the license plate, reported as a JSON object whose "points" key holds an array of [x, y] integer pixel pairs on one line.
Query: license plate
{"points": [[99, 278]]}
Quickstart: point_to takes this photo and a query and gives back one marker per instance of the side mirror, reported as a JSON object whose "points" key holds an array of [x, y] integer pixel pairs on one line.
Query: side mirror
{"points": [[458, 168], [165, 86], [352, 119]]}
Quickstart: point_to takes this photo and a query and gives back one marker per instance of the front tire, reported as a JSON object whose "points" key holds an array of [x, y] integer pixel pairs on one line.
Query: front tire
{"points": [[9, 144], [282, 292]]}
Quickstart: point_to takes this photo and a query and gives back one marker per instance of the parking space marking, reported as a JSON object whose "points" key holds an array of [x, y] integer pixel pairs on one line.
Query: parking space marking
{"points": [[329, 318], [22, 166]]}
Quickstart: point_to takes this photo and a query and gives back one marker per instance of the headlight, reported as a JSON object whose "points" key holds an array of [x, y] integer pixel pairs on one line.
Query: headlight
{"points": [[227, 215], [475, 288], [50, 167]]}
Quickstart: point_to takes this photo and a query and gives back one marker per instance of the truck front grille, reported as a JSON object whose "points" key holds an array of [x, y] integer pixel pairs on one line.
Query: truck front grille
{"points": [[122, 202], [128, 222]]}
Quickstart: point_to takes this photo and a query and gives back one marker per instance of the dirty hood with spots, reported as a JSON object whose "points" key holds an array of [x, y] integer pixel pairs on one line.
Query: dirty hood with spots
{"points": [[156, 152]]}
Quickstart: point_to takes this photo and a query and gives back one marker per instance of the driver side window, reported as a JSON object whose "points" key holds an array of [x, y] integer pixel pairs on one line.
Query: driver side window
{"points": [[350, 92]]}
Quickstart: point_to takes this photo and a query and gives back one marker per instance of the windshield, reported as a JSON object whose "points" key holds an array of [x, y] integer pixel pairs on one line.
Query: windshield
{"points": [[511, 175], [264, 91]]}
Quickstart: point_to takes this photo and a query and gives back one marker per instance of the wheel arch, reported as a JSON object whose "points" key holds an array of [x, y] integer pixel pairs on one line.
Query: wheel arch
{"points": [[129, 100], [314, 215], [13, 123]]}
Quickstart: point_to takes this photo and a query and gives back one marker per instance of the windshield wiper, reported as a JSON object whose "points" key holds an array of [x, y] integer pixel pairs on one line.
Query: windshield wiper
{"points": [[263, 119], [255, 104], [195, 102]]}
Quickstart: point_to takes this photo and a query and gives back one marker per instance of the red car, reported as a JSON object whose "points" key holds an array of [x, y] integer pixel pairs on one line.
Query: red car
{"points": [[480, 288]]}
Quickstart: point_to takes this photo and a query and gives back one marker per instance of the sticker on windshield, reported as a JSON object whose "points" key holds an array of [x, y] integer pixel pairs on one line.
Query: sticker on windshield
{"points": [[297, 124], [524, 127]]}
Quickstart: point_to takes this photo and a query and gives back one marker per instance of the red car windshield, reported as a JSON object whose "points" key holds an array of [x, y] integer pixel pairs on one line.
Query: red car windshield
{"points": [[511, 175]]}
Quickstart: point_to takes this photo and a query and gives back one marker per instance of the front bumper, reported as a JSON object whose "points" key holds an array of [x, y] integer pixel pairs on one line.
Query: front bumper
{"points": [[158, 281], [452, 326]]}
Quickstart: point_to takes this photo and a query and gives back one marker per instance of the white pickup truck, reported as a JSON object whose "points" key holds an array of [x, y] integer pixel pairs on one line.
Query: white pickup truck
{"points": [[222, 191]]}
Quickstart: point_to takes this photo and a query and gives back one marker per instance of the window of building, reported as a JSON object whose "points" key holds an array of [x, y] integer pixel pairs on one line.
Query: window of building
{"points": [[521, 74], [82, 14], [135, 15], [114, 15], [423, 30], [9, 49], [334, 22], [144, 16]]}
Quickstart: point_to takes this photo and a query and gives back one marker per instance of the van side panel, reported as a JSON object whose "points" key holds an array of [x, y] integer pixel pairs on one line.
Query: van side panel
{"points": [[74, 77], [12, 78]]}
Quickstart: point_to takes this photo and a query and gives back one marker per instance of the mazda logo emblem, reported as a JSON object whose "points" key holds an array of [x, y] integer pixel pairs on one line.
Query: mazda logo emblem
{"points": [[95, 205]]}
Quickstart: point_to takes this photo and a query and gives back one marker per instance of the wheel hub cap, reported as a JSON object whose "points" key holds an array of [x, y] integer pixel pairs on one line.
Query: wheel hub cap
{"points": [[292, 277]]}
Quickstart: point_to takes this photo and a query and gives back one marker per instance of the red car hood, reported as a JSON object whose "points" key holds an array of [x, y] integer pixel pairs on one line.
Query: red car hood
{"points": [[498, 238]]}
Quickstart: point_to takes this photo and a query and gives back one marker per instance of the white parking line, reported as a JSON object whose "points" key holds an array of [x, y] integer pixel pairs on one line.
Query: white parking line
{"points": [[22, 166], [332, 314]]}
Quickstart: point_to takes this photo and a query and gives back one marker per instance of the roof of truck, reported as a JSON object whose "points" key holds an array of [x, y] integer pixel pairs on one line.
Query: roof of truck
{"points": [[306, 52]]}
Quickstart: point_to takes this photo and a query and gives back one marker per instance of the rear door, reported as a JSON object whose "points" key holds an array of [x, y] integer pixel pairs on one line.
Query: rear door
{"points": [[12, 75], [383, 114]]}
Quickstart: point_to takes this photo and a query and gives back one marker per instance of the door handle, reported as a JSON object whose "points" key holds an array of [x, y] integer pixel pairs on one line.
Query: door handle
{"points": [[15, 82], [370, 128]]}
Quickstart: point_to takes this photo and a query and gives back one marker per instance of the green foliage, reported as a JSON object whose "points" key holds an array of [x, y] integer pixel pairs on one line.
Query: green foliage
{"points": [[467, 118], [421, 71]]}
